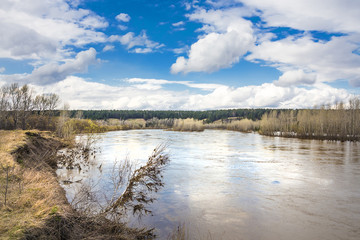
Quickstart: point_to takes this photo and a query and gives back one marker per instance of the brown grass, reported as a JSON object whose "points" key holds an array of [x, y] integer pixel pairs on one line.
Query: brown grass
{"points": [[33, 192], [188, 125], [36, 204], [243, 125]]}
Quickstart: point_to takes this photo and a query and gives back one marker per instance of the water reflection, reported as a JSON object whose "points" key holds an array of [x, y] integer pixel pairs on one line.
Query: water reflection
{"points": [[246, 186]]}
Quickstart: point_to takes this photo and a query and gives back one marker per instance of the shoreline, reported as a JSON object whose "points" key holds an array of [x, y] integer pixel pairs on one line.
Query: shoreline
{"points": [[37, 207]]}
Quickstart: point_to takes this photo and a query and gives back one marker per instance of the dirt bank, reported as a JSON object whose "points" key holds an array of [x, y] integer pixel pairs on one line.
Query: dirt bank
{"points": [[36, 206]]}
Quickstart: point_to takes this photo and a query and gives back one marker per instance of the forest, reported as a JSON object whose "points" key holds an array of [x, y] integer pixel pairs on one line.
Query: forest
{"points": [[209, 116]]}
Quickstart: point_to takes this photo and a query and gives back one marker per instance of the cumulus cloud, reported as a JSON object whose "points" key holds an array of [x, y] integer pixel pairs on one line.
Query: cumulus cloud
{"points": [[37, 29], [319, 15], [330, 61], [20, 42], [123, 17], [295, 77], [92, 95], [142, 43], [149, 94], [54, 72], [227, 38]]}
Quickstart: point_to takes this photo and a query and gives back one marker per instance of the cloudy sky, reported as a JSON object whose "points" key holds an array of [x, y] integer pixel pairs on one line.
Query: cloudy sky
{"points": [[189, 54]]}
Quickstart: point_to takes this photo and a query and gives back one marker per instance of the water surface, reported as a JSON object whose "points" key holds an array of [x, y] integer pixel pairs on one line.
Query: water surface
{"points": [[232, 185]]}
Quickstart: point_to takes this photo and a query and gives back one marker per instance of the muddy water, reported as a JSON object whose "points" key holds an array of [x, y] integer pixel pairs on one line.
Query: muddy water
{"points": [[231, 185]]}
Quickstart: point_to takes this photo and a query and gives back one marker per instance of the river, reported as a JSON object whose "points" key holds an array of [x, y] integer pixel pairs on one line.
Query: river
{"points": [[231, 185]]}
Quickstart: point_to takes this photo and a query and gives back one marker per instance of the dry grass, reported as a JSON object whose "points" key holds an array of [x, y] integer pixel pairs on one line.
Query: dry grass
{"points": [[243, 125], [33, 192], [9, 142], [188, 125], [36, 205]]}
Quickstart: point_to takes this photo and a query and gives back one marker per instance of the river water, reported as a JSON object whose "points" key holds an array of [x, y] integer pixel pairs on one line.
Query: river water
{"points": [[232, 185]]}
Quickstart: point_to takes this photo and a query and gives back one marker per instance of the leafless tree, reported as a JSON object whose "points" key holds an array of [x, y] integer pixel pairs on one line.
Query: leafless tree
{"points": [[4, 106]]}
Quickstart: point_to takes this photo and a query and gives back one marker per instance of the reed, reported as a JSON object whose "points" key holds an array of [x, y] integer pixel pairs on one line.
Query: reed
{"points": [[188, 125]]}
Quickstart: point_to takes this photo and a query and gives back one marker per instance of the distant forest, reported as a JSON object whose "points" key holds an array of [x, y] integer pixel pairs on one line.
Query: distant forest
{"points": [[210, 116]]}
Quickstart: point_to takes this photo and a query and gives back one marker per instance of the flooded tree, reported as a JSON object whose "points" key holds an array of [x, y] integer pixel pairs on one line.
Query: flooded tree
{"points": [[338, 122]]}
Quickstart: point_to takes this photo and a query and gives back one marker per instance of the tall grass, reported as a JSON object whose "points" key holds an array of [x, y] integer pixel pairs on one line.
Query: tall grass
{"points": [[188, 125], [29, 200], [243, 125]]}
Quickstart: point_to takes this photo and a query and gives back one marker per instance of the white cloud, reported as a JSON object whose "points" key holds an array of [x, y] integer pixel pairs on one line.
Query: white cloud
{"points": [[123, 17], [122, 27], [142, 42], [295, 77], [37, 29], [190, 4], [157, 84], [20, 42], [228, 37], [108, 48], [2, 69], [331, 16], [330, 60], [178, 24], [143, 50], [148, 94], [92, 95], [181, 50], [54, 72]]}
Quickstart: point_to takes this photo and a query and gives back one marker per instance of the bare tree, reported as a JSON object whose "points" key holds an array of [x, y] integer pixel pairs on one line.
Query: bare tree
{"points": [[46, 105], [14, 104], [64, 127], [4, 107], [26, 104], [41, 103]]}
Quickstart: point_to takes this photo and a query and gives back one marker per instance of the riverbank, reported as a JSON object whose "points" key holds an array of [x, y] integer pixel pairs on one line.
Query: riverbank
{"points": [[33, 204]]}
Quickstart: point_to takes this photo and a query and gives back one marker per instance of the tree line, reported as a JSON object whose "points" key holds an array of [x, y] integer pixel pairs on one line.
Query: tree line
{"points": [[21, 108], [208, 116], [339, 122]]}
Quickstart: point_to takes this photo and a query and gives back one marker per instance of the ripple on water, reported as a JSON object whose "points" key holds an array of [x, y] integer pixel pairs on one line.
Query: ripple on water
{"points": [[232, 184]]}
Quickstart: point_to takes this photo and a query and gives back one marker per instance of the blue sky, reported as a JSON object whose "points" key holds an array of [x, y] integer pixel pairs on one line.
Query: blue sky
{"points": [[190, 54]]}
